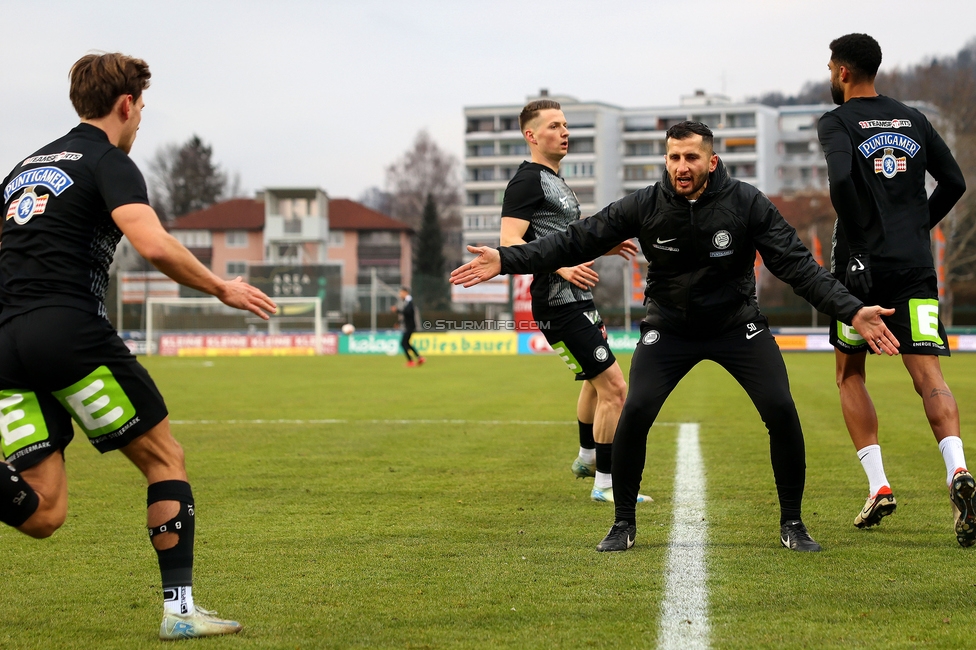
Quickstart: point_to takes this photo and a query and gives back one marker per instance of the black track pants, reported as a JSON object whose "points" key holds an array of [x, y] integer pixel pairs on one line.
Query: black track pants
{"points": [[751, 356]]}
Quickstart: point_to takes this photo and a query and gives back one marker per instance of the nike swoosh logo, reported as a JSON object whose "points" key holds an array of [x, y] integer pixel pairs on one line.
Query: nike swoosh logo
{"points": [[630, 541], [858, 265], [665, 241], [754, 334], [786, 541]]}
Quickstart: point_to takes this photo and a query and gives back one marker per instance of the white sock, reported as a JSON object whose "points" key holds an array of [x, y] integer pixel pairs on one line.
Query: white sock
{"points": [[870, 458], [177, 600], [588, 456], [603, 480], [952, 454]]}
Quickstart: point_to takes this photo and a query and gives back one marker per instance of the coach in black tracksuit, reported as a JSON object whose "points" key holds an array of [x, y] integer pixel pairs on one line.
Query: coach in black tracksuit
{"points": [[699, 230]]}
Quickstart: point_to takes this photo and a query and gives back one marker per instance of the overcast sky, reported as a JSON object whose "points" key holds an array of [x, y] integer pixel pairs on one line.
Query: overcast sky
{"points": [[328, 93]]}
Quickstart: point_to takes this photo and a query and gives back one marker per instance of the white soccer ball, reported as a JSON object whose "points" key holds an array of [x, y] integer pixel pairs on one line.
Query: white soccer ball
{"points": [[348, 328]]}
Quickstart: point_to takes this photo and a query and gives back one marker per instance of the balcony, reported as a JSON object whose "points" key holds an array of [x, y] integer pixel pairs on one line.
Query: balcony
{"points": [[298, 230]]}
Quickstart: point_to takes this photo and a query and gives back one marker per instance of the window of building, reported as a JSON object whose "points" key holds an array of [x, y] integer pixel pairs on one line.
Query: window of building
{"points": [[576, 170], [482, 222], [742, 170], [710, 120], [480, 124], [740, 120], [481, 149], [236, 238], [193, 238], [481, 198], [508, 172], [647, 148], [740, 145], [581, 145], [510, 123], [236, 268], [642, 172], [515, 148], [585, 195], [798, 147], [481, 173], [337, 239]]}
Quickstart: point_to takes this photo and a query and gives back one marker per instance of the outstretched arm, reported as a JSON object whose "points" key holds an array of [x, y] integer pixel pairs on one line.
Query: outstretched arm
{"points": [[139, 223], [584, 240], [582, 275], [485, 266]]}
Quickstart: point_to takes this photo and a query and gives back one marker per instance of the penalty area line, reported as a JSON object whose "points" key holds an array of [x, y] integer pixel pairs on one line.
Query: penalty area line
{"points": [[684, 611]]}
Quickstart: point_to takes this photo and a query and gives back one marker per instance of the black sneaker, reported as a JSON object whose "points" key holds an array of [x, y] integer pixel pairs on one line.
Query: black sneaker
{"points": [[794, 536], [620, 538], [962, 491]]}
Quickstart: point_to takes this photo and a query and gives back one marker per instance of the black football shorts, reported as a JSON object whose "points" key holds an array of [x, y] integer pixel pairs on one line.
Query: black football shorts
{"points": [[579, 337], [914, 294], [59, 364]]}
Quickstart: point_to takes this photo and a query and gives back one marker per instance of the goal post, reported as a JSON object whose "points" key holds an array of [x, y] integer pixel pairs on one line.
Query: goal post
{"points": [[207, 315]]}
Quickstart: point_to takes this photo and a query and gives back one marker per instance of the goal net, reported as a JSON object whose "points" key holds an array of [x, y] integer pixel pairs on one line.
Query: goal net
{"points": [[207, 327]]}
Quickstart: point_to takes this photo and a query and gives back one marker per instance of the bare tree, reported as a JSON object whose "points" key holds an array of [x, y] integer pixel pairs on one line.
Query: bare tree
{"points": [[427, 170]]}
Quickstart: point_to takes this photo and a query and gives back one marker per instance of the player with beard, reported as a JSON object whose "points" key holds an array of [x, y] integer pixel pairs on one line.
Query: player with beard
{"points": [[539, 202], [67, 206], [878, 152], [700, 230]]}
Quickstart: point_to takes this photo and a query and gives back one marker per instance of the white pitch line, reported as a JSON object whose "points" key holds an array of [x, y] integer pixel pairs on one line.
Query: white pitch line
{"points": [[341, 421], [684, 612]]}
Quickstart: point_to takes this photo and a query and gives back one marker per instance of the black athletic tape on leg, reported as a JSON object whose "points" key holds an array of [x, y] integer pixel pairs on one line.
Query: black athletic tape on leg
{"points": [[603, 456], [586, 434], [18, 500], [176, 563]]}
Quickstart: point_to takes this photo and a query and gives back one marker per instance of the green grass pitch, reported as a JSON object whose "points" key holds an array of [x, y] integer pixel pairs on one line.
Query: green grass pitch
{"points": [[368, 533]]}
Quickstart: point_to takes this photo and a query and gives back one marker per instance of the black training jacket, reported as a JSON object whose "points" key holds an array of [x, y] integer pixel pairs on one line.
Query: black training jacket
{"points": [[700, 254]]}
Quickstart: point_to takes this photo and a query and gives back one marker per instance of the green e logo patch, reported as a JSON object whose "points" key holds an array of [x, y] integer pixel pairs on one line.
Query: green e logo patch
{"points": [[97, 403], [925, 319], [567, 356], [21, 421]]}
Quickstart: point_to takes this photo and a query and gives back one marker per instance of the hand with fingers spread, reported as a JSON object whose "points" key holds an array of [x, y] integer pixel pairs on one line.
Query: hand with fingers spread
{"points": [[582, 276], [241, 295], [867, 321], [487, 265], [625, 249]]}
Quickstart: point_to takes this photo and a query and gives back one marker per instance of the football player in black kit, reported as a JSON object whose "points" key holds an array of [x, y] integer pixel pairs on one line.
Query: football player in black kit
{"points": [[67, 205], [539, 202], [700, 230], [878, 151]]}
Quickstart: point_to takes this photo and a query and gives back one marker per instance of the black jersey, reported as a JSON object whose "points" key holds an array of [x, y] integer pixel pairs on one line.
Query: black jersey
{"points": [[58, 238], [882, 206], [538, 195]]}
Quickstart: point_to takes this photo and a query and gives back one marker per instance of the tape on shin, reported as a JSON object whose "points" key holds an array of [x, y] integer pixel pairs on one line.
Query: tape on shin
{"points": [[18, 501], [175, 563]]}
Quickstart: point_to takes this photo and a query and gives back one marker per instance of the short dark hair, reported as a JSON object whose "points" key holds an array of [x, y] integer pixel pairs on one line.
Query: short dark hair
{"points": [[859, 53], [533, 108], [98, 80], [686, 129]]}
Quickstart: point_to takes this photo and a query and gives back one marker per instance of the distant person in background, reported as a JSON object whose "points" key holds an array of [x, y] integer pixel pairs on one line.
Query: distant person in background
{"points": [[408, 321], [878, 151]]}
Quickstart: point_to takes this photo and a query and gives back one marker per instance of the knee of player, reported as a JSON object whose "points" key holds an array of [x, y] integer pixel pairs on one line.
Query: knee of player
{"points": [[43, 523]]}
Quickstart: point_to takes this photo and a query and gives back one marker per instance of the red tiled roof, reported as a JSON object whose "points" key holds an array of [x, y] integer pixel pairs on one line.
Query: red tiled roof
{"points": [[235, 214], [349, 215], [248, 214]]}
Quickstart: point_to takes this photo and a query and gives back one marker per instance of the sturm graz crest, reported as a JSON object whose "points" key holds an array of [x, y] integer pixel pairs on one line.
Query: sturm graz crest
{"points": [[650, 337], [721, 239]]}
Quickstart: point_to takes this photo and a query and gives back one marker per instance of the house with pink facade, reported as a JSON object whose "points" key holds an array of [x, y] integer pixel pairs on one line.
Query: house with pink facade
{"points": [[301, 226]]}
